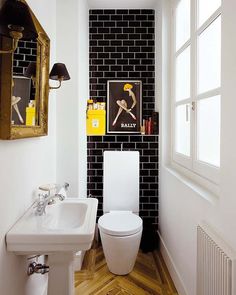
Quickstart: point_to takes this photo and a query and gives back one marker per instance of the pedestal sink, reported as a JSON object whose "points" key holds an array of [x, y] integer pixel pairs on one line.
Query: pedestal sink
{"points": [[66, 228]]}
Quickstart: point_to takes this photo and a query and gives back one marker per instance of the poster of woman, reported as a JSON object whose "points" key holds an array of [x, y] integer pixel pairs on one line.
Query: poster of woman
{"points": [[124, 106]]}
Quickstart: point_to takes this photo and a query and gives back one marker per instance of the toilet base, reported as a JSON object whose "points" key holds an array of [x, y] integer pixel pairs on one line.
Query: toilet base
{"points": [[120, 252]]}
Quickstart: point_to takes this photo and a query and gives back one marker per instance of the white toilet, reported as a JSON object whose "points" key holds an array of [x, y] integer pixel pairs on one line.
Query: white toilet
{"points": [[120, 226]]}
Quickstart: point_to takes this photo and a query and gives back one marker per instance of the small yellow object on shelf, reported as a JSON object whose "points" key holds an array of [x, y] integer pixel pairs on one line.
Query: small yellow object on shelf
{"points": [[90, 104], [30, 116], [96, 122]]}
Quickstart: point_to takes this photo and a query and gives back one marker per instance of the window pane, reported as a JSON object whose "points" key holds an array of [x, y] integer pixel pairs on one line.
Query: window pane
{"points": [[182, 130], [209, 71], [209, 130], [182, 23], [182, 88], [206, 8]]}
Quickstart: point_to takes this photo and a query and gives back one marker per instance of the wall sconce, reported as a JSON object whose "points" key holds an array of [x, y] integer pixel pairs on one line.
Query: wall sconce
{"points": [[59, 72], [16, 23]]}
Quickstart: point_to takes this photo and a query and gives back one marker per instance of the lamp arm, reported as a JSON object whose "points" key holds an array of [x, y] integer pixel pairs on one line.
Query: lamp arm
{"points": [[16, 36], [15, 45], [56, 87]]}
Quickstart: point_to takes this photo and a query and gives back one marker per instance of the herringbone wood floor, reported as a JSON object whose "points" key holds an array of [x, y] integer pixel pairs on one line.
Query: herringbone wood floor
{"points": [[149, 276]]}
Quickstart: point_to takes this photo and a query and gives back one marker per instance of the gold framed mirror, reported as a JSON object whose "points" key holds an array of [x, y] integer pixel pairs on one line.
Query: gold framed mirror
{"points": [[23, 95]]}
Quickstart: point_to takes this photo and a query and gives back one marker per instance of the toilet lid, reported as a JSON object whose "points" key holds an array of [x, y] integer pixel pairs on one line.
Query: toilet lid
{"points": [[120, 223]]}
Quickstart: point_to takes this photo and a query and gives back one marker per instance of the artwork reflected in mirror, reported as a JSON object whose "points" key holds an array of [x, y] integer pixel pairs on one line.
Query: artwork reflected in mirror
{"points": [[24, 101], [24, 73]]}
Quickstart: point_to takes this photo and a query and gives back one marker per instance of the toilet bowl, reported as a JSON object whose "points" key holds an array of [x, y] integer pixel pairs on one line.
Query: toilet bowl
{"points": [[120, 234], [120, 227]]}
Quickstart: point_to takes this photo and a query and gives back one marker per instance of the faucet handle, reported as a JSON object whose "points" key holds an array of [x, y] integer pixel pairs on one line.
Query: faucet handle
{"points": [[40, 207], [47, 190], [38, 204], [48, 187], [42, 196]]}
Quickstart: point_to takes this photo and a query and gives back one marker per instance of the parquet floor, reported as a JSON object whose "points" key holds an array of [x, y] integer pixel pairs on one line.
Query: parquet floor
{"points": [[149, 276]]}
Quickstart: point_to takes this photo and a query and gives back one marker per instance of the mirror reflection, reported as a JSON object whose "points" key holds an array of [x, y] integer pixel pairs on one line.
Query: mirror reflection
{"points": [[24, 100]]}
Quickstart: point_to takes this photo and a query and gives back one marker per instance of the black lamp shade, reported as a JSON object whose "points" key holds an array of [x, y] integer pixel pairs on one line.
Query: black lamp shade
{"points": [[31, 70], [59, 72], [15, 16]]}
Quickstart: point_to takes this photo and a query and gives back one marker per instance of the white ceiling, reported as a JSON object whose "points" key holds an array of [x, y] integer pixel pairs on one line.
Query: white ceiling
{"points": [[122, 4]]}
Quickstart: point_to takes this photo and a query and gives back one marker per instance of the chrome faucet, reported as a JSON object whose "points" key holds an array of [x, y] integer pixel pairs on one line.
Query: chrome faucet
{"points": [[48, 199]]}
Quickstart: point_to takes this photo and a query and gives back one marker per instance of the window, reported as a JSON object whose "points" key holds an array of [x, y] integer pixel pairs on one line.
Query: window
{"points": [[196, 91]]}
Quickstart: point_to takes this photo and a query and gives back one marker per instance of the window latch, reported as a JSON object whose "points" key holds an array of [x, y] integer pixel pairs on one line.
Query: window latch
{"points": [[192, 105], [187, 113]]}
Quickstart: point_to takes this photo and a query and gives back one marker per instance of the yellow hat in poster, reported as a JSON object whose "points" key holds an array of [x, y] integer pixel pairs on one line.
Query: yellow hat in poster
{"points": [[127, 86]]}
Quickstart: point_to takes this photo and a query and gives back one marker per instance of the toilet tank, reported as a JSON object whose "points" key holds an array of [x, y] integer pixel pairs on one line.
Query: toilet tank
{"points": [[121, 181]]}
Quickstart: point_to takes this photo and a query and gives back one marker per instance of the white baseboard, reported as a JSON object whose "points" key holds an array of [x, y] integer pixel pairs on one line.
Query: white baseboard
{"points": [[172, 268]]}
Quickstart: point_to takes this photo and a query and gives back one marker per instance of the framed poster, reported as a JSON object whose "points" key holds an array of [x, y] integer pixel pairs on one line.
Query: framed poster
{"points": [[124, 106], [20, 99]]}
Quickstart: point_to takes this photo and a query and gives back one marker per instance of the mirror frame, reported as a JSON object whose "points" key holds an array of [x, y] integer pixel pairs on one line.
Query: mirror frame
{"points": [[7, 130]]}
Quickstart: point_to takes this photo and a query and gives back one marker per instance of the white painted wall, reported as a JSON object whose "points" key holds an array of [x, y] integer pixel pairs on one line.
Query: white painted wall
{"points": [[122, 4], [83, 84], [24, 165], [182, 208], [72, 49]]}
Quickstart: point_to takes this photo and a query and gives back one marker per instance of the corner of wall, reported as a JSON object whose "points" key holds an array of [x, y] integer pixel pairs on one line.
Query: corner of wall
{"points": [[83, 93]]}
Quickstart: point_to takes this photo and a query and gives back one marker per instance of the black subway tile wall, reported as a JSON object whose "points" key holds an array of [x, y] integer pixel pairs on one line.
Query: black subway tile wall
{"points": [[24, 54], [148, 149], [122, 46]]}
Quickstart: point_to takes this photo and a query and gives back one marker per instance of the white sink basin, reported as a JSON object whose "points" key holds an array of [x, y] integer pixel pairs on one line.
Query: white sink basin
{"points": [[67, 226], [65, 216]]}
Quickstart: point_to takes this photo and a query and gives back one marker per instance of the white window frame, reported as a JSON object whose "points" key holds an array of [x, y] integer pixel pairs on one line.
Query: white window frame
{"points": [[205, 174]]}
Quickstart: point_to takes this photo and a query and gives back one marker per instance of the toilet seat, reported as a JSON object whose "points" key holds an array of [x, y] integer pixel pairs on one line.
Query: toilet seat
{"points": [[120, 223]]}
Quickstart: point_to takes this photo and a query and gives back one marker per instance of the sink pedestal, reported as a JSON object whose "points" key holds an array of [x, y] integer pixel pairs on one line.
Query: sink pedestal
{"points": [[61, 273], [67, 227]]}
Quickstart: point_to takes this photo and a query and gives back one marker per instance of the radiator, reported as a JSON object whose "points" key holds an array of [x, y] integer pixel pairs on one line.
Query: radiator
{"points": [[215, 264]]}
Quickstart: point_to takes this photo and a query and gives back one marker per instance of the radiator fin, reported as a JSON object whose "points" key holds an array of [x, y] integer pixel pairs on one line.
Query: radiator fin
{"points": [[215, 264]]}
